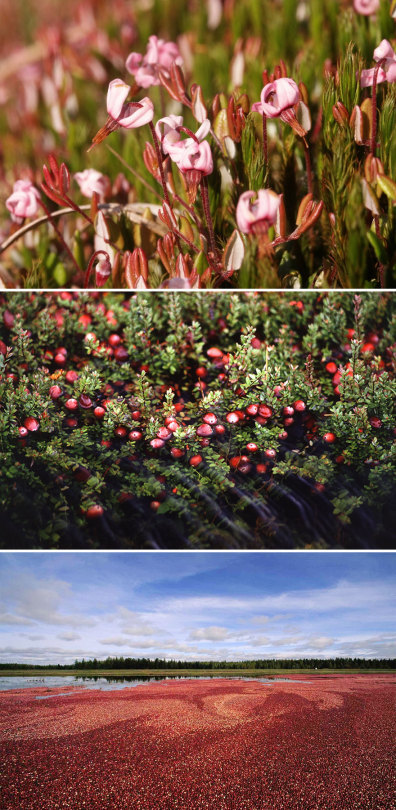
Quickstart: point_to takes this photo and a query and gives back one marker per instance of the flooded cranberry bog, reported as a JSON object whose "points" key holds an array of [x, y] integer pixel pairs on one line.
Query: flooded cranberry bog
{"points": [[325, 743], [197, 420]]}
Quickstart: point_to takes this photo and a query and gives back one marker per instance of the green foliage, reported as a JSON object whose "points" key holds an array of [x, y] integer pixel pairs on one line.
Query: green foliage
{"points": [[292, 490]]}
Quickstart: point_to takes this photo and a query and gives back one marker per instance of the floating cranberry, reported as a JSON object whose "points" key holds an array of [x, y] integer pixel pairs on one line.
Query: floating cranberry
{"points": [[329, 438], [195, 461], [55, 392], [210, 418], [31, 424], [71, 404], [232, 418]]}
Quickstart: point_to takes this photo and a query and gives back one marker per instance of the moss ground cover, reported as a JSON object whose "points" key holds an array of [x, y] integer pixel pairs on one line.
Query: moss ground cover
{"points": [[197, 420], [262, 153], [327, 743]]}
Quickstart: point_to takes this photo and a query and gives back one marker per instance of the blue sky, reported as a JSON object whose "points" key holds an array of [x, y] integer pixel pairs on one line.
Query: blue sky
{"points": [[55, 607]]}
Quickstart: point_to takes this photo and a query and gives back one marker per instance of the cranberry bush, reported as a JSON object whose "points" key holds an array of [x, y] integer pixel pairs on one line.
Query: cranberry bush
{"points": [[237, 420], [262, 153]]}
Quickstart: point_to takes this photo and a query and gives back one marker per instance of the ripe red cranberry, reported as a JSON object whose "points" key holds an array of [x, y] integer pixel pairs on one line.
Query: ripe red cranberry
{"points": [[255, 343], [219, 429], [201, 371], [82, 474], [99, 412], [340, 459], [299, 405], [210, 418], [31, 424], [375, 422], [164, 433], [85, 401], [60, 359], [204, 430], [329, 438], [236, 461], [214, 354], [71, 376], [8, 319], [157, 443], [172, 425], [135, 435], [179, 407], [71, 421], [71, 404], [204, 442], [232, 418], [3, 348], [278, 391], [154, 505], [55, 392], [120, 431], [261, 468], [252, 409], [23, 432], [265, 411], [252, 447], [288, 421], [121, 354], [367, 348], [114, 339], [94, 512], [282, 436], [195, 461], [331, 367], [176, 452], [106, 443], [85, 319], [270, 453], [288, 410]]}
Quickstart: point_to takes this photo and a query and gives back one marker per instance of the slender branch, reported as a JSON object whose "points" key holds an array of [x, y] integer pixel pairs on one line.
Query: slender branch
{"points": [[134, 172]]}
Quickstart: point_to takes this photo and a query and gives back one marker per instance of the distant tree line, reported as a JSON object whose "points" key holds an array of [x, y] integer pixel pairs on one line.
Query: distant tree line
{"points": [[120, 662]]}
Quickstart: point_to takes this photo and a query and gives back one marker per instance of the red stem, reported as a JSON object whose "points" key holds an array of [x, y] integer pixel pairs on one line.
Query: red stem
{"points": [[265, 146], [308, 167], [59, 235], [160, 166], [208, 217]]}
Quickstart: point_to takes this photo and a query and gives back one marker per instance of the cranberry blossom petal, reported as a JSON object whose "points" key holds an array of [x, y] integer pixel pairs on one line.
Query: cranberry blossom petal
{"points": [[117, 94], [250, 210], [278, 96], [366, 7]]}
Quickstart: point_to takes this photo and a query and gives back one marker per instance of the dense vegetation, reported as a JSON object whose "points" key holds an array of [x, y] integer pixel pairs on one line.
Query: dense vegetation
{"points": [[205, 420], [122, 663]]}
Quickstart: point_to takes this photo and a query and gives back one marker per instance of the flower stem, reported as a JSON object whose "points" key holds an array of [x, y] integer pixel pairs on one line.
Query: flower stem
{"points": [[265, 148], [308, 167], [208, 217], [160, 166], [60, 237]]}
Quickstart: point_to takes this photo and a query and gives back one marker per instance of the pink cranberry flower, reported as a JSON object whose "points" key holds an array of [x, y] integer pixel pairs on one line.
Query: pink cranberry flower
{"points": [[176, 147], [366, 7], [195, 156], [167, 131], [277, 97], [256, 214], [385, 51], [159, 54], [90, 181], [23, 202], [367, 77], [130, 114]]}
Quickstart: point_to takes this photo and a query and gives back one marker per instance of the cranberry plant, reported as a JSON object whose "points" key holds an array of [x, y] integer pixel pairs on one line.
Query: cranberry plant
{"points": [[237, 420], [246, 146]]}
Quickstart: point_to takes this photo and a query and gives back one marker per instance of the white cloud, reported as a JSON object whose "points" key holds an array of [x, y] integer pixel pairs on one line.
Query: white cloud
{"points": [[68, 636]]}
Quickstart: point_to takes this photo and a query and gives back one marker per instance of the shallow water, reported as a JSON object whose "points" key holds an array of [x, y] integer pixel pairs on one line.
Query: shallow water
{"points": [[113, 683]]}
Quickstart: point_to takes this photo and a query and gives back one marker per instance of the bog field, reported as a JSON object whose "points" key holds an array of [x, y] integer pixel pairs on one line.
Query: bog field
{"points": [[315, 742]]}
